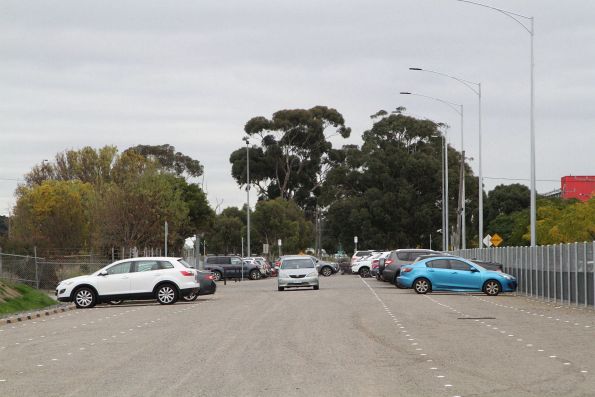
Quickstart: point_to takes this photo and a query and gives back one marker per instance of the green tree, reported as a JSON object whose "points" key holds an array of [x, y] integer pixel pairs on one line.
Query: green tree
{"points": [[55, 214], [226, 235], [3, 225], [281, 219], [505, 200], [133, 213], [294, 153], [567, 223], [86, 165], [389, 192], [170, 160]]}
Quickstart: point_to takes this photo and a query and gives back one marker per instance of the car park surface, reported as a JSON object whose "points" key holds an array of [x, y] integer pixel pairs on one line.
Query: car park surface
{"points": [[444, 344]]}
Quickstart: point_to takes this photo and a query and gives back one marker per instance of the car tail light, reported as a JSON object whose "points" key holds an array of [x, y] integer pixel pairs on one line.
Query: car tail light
{"points": [[187, 273], [209, 277], [406, 269], [388, 262]]}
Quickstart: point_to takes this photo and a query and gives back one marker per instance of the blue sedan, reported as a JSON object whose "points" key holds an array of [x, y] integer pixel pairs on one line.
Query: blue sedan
{"points": [[454, 274]]}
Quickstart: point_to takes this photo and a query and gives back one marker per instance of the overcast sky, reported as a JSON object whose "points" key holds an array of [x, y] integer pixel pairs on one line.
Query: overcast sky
{"points": [[191, 73]]}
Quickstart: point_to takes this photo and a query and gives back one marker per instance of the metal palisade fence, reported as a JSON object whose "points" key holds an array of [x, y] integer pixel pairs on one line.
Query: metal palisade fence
{"points": [[45, 271], [563, 273]]}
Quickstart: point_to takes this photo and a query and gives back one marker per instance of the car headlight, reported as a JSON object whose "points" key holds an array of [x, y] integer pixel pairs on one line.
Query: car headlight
{"points": [[508, 277], [311, 274]]}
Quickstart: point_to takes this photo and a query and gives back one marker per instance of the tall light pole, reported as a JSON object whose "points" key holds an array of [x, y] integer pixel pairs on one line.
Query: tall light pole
{"points": [[445, 189], [470, 85], [247, 196], [459, 109], [531, 30]]}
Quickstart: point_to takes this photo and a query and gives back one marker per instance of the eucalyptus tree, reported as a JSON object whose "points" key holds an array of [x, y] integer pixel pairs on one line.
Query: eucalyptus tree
{"points": [[290, 153]]}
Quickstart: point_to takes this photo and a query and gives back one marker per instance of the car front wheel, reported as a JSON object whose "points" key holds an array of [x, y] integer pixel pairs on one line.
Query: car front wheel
{"points": [[167, 294], [422, 286], [326, 271], [217, 275], [84, 298], [492, 288]]}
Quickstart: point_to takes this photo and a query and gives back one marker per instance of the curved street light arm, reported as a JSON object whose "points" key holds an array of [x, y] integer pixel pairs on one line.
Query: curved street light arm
{"points": [[454, 106], [466, 83], [511, 15]]}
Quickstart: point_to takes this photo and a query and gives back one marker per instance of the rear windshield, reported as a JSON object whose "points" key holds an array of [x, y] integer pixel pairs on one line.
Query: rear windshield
{"points": [[362, 253], [297, 264], [184, 263]]}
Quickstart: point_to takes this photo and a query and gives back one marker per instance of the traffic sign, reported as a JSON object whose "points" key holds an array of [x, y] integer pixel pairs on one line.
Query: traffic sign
{"points": [[496, 239], [487, 240]]}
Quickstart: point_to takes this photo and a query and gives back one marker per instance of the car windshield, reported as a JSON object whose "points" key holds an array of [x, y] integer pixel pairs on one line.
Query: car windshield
{"points": [[297, 264]]}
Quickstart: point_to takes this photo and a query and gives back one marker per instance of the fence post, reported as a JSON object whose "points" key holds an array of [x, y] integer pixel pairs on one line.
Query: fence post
{"points": [[549, 286], [576, 273], [36, 273], [585, 274], [113, 254], [0, 262]]}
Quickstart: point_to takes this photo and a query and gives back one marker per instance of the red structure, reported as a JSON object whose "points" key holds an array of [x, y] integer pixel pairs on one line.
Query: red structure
{"points": [[579, 187]]}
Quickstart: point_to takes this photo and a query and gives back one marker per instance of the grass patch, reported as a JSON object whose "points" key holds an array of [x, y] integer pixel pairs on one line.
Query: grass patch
{"points": [[29, 299]]}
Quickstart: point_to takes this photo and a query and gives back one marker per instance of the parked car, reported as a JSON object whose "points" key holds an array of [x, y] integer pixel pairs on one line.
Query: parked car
{"points": [[327, 268], [165, 279], [397, 258], [208, 286], [231, 266], [495, 266], [375, 263], [297, 271], [261, 263], [357, 255], [363, 264], [449, 273]]}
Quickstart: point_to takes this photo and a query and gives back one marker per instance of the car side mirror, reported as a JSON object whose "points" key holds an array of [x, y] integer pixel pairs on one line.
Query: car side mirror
{"points": [[103, 273], [474, 270]]}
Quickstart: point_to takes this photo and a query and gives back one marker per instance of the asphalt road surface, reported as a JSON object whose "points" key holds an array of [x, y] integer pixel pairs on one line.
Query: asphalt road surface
{"points": [[353, 337]]}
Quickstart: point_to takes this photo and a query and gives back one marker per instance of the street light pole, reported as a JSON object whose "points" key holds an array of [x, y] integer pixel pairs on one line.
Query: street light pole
{"points": [[531, 31], [459, 109], [470, 85], [247, 196]]}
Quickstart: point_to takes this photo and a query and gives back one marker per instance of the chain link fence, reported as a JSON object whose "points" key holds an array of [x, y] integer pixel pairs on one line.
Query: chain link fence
{"points": [[563, 273], [46, 270]]}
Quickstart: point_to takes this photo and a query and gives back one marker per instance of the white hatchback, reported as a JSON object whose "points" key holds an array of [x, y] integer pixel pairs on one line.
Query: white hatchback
{"points": [[165, 279]]}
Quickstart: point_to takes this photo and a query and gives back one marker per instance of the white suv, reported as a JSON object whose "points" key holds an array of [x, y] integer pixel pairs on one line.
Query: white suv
{"points": [[164, 279]]}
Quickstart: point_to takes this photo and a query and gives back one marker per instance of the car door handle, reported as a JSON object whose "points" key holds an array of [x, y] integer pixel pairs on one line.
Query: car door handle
{"points": [[454, 273], [431, 271]]}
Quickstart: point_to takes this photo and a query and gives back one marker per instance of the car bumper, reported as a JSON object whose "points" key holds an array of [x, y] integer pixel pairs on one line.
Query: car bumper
{"points": [[208, 289], [63, 294], [509, 286], [188, 291], [298, 282], [403, 282]]}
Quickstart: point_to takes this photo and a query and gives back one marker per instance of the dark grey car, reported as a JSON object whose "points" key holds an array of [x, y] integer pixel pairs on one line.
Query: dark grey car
{"points": [[390, 270], [231, 266]]}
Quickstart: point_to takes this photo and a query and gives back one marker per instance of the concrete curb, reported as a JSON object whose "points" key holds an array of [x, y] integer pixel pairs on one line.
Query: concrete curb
{"points": [[34, 315]]}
